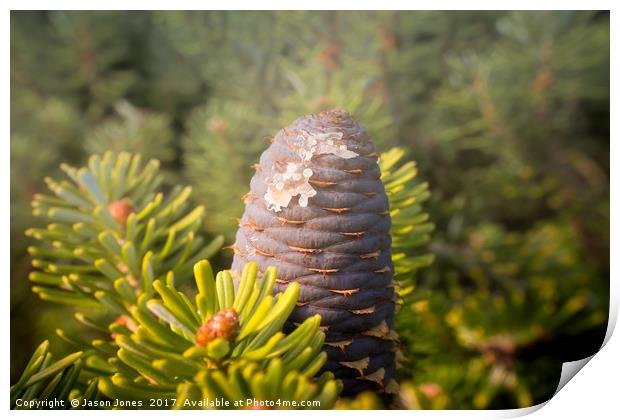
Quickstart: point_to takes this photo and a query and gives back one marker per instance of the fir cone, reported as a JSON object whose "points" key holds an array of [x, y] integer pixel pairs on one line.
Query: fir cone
{"points": [[318, 211]]}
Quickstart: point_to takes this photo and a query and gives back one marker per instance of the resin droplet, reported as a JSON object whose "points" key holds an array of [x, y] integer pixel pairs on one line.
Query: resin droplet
{"points": [[294, 180]]}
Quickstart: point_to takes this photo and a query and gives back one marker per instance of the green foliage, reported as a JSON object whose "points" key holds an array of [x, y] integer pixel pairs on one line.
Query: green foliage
{"points": [[219, 153], [504, 322], [410, 227], [272, 387], [517, 279], [149, 134], [112, 235], [117, 250], [505, 113], [85, 52], [46, 379], [162, 347], [56, 124]]}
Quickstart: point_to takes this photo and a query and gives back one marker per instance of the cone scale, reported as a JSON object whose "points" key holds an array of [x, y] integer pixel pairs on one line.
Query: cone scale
{"points": [[317, 211]]}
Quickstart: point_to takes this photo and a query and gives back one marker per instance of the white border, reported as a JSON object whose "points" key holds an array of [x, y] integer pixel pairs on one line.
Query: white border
{"points": [[595, 390]]}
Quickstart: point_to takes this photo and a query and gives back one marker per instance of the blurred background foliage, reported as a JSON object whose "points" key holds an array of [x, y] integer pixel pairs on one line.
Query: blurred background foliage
{"points": [[506, 114]]}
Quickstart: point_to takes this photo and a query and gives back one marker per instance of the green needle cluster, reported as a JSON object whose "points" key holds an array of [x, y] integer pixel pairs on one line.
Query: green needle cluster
{"points": [[163, 354], [119, 250], [410, 223], [46, 379]]}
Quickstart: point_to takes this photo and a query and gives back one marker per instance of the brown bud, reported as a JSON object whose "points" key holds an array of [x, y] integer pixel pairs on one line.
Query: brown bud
{"points": [[224, 324], [121, 210], [218, 125]]}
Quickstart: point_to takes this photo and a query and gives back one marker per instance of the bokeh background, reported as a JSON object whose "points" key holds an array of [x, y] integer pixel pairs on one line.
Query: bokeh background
{"points": [[506, 114]]}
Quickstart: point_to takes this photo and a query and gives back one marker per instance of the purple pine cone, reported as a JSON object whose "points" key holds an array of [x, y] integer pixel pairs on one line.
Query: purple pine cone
{"points": [[317, 210]]}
